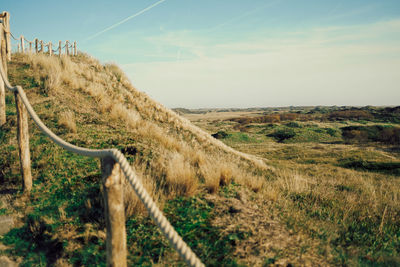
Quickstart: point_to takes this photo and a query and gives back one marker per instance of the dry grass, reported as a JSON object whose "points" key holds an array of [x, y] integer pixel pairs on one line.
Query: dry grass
{"points": [[67, 120], [185, 157], [181, 179]]}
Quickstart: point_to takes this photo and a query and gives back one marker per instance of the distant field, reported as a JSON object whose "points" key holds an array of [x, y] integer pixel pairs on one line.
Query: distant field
{"points": [[337, 174]]}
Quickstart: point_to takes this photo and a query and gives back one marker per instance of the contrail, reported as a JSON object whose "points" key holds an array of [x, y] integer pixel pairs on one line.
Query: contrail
{"points": [[124, 20]]}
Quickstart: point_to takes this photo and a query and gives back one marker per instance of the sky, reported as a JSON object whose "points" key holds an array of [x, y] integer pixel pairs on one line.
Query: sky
{"points": [[233, 53]]}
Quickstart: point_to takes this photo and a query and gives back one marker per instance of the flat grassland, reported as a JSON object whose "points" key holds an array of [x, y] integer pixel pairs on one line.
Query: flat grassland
{"points": [[337, 173]]}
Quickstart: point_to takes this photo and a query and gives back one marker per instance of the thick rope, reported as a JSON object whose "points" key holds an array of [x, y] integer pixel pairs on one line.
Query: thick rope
{"points": [[167, 229]]}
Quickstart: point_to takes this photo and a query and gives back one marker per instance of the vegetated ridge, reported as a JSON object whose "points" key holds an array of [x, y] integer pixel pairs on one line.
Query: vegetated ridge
{"points": [[95, 106]]}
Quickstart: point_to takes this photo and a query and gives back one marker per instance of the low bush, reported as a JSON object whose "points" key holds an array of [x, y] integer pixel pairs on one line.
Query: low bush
{"points": [[331, 132], [293, 124], [377, 133], [220, 135], [350, 115], [374, 166], [282, 134]]}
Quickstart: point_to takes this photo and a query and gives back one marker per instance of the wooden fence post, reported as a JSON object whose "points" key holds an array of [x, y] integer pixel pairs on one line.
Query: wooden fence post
{"points": [[23, 143], [2, 102], [59, 48], [5, 16], [30, 47], [3, 58], [41, 46], [36, 45], [22, 44], [75, 52], [50, 49], [114, 212], [66, 48]]}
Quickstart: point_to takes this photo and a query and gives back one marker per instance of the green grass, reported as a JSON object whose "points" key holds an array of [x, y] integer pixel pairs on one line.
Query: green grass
{"points": [[296, 133], [191, 218], [239, 137], [392, 168]]}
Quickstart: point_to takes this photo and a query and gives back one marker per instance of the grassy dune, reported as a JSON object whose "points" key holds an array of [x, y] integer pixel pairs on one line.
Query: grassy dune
{"points": [[94, 105]]}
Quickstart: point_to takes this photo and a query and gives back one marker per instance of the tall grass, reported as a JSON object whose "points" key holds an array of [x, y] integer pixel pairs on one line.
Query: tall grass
{"points": [[184, 159]]}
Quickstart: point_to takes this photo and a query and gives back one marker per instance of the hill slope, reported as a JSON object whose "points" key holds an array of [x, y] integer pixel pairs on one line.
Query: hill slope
{"points": [[95, 106]]}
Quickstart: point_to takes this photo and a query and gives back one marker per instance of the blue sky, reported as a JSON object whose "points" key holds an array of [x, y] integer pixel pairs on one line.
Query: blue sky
{"points": [[234, 53]]}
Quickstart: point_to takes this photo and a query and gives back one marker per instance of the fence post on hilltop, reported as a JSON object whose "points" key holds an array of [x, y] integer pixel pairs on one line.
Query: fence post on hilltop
{"points": [[66, 48], [59, 48], [41, 46], [3, 58], [22, 44], [36, 45], [50, 48], [75, 52], [30, 47], [112, 178], [23, 143]]}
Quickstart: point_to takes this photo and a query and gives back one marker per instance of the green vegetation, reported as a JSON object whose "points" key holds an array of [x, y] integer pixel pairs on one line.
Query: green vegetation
{"points": [[374, 166], [283, 134], [192, 220], [377, 133], [337, 185]]}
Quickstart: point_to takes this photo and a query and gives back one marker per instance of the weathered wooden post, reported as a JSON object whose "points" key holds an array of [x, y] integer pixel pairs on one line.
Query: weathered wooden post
{"points": [[41, 46], [36, 45], [22, 44], [3, 58], [50, 49], [5, 17], [30, 47], [114, 212], [59, 48], [23, 143], [67, 48], [2, 100], [75, 52]]}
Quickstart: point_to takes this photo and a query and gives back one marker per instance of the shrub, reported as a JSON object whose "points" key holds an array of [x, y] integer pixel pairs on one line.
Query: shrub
{"points": [[293, 124], [331, 132], [377, 133], [365, 165], [288, 116], [220, 135], [350, 115], [283, 134], [390, 136]]}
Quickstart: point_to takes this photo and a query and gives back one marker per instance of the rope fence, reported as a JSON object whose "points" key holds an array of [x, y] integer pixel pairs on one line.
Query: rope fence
{"points": [[21, 47], [114, 165]]}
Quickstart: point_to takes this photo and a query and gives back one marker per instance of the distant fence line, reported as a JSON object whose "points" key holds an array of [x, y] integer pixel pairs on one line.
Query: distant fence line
{"points": [[114, 166], [37, 46]]}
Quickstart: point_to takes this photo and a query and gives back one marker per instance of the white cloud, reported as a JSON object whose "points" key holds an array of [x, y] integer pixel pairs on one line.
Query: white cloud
{"points": [[355, 65]]}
